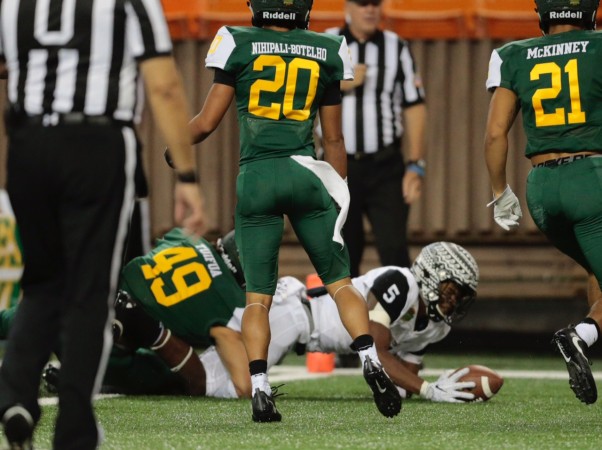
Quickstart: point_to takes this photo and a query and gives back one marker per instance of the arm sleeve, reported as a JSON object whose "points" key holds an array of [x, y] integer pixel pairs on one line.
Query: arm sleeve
{"points": [[332, 95], [222, 77], [147, 35]]}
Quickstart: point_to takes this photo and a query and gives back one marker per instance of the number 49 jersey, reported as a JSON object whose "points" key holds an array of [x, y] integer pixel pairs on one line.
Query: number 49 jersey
{"points": [[280, 78], [558, 81], [184, 283]]}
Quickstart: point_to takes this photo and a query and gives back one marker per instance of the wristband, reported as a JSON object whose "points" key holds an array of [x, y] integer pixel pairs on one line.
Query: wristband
{"points": [[189, 176], [418, 166]]}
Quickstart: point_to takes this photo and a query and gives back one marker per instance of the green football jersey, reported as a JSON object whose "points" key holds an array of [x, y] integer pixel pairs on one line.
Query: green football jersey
{"points": [[558, 81], [11, 261], [280, 81], [184, 283]]}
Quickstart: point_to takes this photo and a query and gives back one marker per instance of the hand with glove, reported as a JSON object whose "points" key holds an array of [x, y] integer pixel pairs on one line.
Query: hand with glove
{"points": [[132, 326], [506, 209], [448, 389]]}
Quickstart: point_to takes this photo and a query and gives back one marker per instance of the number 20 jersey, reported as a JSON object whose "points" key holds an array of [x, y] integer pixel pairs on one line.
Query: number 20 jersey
{"points": [[280, 81], [558, 81]]}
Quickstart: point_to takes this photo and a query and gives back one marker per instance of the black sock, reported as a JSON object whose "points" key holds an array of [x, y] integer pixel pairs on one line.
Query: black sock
{"points": [[362, 342], [258, 366]]}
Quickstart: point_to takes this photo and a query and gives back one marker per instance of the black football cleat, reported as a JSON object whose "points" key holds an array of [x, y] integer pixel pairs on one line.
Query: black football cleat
{"points": [[18, 428], [50, 377], [572, 348], [386, 395], [264, 408]]}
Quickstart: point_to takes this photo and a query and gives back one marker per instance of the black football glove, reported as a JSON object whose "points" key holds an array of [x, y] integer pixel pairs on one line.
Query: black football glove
{"points": [[134, 325]]}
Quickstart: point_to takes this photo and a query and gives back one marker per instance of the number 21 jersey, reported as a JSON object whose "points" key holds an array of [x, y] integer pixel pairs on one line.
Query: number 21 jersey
{"points": [[558, 81]]}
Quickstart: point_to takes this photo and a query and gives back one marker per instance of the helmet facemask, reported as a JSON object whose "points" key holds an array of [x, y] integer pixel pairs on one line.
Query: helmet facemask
{"points": [[447, 277], [452, 302]]}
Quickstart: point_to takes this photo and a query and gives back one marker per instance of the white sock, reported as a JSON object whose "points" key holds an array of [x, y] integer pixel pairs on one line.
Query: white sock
{"points": [[260, 381], [587, 332], [371, 352]]}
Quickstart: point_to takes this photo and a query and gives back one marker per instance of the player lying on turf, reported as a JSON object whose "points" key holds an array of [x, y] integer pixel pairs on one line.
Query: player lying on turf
{"points": [[410, 309]]}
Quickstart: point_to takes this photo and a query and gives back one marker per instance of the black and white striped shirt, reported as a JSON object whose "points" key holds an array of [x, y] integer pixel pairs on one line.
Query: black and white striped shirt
{"points": [[372, 111], [68, 56]]}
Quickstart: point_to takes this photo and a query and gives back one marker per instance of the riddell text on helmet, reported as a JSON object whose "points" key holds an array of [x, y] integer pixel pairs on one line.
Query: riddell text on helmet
{"points": [[566, 15], [279, 15]]}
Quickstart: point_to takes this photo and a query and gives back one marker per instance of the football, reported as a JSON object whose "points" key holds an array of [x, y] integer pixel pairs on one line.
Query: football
{"points": [[487, 382]]}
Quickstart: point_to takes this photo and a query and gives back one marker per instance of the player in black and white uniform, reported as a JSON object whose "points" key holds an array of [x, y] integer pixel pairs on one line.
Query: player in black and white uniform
{"points": [[410, 308]]}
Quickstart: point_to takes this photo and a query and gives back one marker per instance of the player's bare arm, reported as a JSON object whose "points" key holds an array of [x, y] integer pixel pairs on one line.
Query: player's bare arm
{"points": [[167, 100], [216, 104], [332, 138], [182, 359], [401, 375], [232, 352], [359, 75], [415, 126], [503, 109]]}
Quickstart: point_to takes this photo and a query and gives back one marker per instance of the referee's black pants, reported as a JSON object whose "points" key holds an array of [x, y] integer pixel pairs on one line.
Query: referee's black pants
{"points": [[72, 191], [375, 187]]}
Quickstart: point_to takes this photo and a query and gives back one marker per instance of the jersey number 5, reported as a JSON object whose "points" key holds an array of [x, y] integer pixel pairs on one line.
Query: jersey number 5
{"points": [[558, 117], [284, 75]]}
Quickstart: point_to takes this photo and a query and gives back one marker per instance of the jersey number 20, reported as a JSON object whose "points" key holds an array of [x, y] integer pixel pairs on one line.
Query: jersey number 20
{"points": [[558, 117], [285, 75]]}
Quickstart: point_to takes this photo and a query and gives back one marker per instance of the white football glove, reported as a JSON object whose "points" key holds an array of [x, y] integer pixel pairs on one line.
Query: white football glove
{"points": [[448, 389], [506, 209]]}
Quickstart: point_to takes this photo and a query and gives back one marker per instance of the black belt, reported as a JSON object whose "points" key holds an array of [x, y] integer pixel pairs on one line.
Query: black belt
{"points": [[54, 119], [564, 160], [383, 154]]}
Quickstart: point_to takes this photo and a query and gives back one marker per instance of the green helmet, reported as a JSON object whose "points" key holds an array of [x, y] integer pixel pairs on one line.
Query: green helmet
{"points": [[286, 13], [577, 12]]}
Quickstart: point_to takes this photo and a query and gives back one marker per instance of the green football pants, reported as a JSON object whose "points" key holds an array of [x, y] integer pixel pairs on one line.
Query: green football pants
{"points": [[269, 189], [566, 204]]}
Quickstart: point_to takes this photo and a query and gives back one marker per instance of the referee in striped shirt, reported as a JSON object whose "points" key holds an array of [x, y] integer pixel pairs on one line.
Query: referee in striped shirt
{"points": [[72, 67], [386, 87]]}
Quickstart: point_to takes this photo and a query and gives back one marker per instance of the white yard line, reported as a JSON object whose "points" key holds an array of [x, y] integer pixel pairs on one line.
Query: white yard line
{"points": [[46, 401], [292, 373], [280, 374]]}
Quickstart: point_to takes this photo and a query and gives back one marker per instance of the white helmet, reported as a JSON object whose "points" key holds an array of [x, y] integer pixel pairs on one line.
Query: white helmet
{"points": [[446, 261]]}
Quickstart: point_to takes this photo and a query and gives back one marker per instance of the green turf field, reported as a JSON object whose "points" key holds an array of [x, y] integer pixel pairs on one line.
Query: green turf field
{"points": [[337, 412]]}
